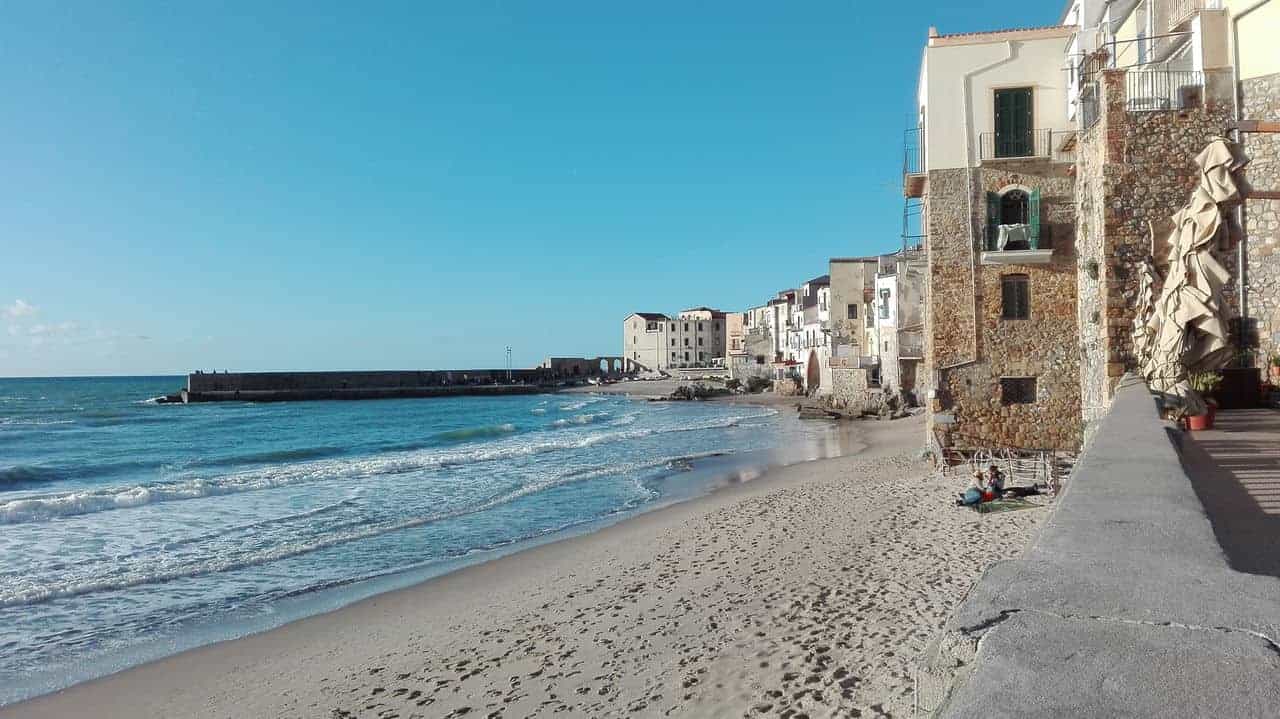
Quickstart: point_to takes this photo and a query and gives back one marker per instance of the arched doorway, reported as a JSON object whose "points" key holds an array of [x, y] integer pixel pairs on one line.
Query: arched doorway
{"points": [[813, 373]]}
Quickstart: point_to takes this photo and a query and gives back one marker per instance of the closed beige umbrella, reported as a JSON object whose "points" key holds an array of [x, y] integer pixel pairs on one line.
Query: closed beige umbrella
{"points": [[1187, 329]]}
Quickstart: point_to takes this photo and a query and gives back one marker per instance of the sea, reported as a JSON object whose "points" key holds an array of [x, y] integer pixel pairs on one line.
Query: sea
{"points": [[131, 530]]}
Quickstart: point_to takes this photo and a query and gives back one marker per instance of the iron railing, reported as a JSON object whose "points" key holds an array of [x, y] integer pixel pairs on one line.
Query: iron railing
{"points": [[1089, 108], [1010, 145], [1147, 90], [912, 152], [1181, 11]]}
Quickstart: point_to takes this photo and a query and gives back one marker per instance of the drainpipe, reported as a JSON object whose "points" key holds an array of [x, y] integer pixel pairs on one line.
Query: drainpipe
{"points": [[968, 165], [1242, 254]]}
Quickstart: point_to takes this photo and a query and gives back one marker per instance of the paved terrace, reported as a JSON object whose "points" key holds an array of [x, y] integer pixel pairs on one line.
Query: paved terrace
{"points": [[1132, 602]]}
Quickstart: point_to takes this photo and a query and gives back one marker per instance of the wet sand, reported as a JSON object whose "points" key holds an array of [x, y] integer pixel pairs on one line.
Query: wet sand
{"points": [[809, 591]]}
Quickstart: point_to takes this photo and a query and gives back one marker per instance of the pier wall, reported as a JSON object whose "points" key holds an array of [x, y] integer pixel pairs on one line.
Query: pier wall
{"points": [[295, 386]]}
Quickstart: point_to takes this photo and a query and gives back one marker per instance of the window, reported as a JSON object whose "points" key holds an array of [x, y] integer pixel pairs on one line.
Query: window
{"points": [[702, 356], [853, 312], [673, 341], [1015, 297], [686, 326], [1014, 207], [699, 326], [1014, 136], [634, 341], [1017, 390], [686, 341], [673, 326], [884, 304], [886, 345], [686, 356], [673, 356], [716, 327], [699, 341]]}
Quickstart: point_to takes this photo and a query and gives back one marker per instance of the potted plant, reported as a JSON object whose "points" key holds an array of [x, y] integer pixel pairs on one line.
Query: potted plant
{"points": [[1204, 383]]}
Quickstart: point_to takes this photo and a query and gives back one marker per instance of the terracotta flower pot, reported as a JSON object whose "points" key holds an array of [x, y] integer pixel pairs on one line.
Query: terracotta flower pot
{"points": [[1198, 422]]}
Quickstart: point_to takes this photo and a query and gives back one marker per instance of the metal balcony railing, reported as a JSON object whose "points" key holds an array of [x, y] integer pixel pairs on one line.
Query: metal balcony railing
{"points": [[1012, 145], [910, 351], [1149, 90], [912, 152], [1180, 11]]}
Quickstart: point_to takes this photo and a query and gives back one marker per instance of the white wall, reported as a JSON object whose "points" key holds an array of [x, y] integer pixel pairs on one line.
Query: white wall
{"points": [[952, 127]]}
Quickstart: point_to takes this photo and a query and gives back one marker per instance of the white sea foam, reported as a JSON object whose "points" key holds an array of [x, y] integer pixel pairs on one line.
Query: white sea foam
{"points": [[149, 568], [44, 507], [30, 422], [538, 410], [580, 419]]}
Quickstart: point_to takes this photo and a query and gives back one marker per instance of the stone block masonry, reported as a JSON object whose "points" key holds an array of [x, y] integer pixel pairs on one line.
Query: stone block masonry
{"points": [[1135, 169], [1260, 100], [970, 346]]}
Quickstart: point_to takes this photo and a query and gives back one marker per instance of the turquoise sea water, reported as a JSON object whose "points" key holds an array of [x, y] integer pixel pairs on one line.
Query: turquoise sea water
{"points": [[130, 530]]}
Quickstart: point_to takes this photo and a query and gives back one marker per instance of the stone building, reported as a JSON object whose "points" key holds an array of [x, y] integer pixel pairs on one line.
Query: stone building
{"points": [[999, 331], [1040, 207], [853, 282], [653, 341], [1155, 81]]}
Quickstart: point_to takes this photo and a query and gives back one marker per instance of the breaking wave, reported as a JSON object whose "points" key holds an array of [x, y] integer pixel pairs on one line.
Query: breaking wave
{"points": [[493, 430], [40, 508]]}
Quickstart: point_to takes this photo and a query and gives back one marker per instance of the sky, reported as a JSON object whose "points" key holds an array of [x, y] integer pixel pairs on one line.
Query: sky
{"points": [[306, 186]]}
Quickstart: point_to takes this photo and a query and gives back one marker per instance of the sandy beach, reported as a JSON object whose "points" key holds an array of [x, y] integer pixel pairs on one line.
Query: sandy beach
{"points": [[808, 592]]}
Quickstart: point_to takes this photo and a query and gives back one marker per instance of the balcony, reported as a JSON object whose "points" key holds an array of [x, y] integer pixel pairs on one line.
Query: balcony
{"points": [[1035, 250], [1149, 90], [1181, 11], [1015, 145], [913, 167]]}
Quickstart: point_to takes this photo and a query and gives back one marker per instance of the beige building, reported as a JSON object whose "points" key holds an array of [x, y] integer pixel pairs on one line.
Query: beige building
{"points": [[653, 341]]}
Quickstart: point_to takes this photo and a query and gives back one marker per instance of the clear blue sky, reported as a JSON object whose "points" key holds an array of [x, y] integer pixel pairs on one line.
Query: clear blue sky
{"points": [[277, 185]]}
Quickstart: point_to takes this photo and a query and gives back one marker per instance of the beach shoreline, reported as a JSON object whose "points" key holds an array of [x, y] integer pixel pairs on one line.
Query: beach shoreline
{"points": [[596, 623]]}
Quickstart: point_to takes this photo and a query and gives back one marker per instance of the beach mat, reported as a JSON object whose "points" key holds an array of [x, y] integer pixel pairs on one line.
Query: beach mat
{"points": [[1005, 505]]}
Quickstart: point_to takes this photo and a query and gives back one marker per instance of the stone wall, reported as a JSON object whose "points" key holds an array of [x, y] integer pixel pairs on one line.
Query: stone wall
{"points": [[851, 387], [1260, 100], [1043, 347], [1135, 170], [950, 325]]}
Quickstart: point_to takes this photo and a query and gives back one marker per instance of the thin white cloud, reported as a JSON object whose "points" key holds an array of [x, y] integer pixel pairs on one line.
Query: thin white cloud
{"points": [[19, 308], [62, 329]]}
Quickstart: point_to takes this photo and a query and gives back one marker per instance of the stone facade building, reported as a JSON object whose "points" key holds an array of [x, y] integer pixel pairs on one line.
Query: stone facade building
{"points": [[1039, 208], [999, 331]]}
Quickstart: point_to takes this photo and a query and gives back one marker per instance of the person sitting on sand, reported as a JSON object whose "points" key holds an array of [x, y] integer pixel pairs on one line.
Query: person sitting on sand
{"points": [[973, 495], [996, 482]]}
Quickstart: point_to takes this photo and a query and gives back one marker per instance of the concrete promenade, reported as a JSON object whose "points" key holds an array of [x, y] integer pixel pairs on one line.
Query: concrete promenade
{"points": [[1125, 605]]}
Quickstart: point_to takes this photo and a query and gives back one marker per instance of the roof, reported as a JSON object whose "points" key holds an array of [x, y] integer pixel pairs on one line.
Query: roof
{"points": [[1019, 33], [868, 258], [820, 280], [714, 312], [652, 315]]}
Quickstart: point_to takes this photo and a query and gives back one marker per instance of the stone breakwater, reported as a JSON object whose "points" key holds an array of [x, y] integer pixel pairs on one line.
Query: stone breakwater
{"points": [[299, 386]]}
